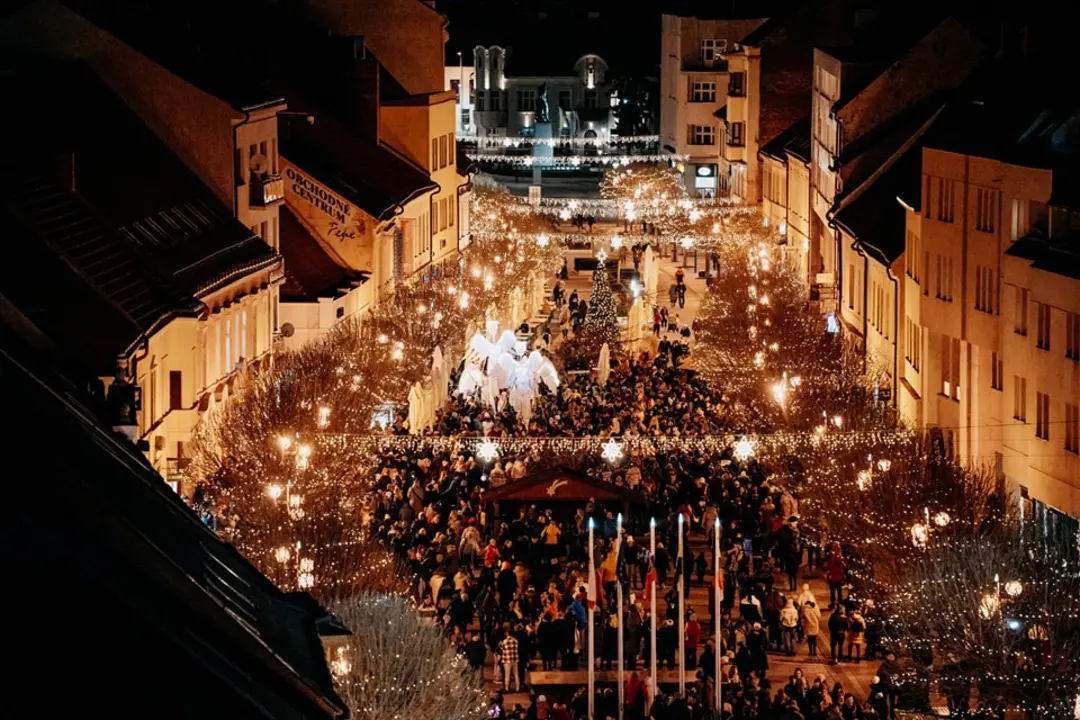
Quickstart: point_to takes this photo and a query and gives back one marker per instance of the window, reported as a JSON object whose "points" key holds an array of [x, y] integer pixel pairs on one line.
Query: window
{"points": [[1019, 398], [913, 346], [851, 287], [1072, 428], [737, 84], [592, 99], [1072, 336], [912, 252], [711, 49], [466, 116], [702, 135], [703, 92], [444, 151], [452, 200], [737, 134], [176, 398], [997, 372], [943, 281], [565, 99], [926, 273], [495, 100], [1042, 314], [946, 200], [1021, 310], [263, 230], [481, 100], [243, 334], [985, 290], [434, 154], [926, 200], [226, 361], [950, 367], [526, 99], [1042, 416], [985, 209]]}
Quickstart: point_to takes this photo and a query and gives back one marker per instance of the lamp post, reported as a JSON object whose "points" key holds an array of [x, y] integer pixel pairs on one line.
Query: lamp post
{"points": [[590, 602], [652, 608], [682, 611], [619, 605], [716, 606]]}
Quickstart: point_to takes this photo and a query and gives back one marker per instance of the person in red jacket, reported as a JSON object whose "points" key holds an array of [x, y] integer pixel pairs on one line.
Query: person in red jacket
{"points": [[693, 636], [835, 575]]}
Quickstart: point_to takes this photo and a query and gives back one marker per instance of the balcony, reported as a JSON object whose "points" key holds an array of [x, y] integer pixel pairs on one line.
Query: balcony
{"points": [[267, 190]]}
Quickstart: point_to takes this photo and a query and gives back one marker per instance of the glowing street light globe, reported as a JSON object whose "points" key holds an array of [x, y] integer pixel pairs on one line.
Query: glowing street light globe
{"points": [[919, 535], [942, 519], [616, 241], [282, 555], [274, 491], [1013, 588]]}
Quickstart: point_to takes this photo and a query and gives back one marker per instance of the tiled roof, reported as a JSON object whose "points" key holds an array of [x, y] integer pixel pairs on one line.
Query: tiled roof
{"points": [[112, 204], [96, 522], [310, 272]]}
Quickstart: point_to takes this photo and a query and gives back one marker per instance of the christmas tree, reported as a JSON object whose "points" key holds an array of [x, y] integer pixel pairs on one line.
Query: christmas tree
{"points": [[601, 320]]}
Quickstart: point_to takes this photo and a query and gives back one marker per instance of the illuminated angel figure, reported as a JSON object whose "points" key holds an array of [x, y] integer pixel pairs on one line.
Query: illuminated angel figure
{"points": [[493, 367]]}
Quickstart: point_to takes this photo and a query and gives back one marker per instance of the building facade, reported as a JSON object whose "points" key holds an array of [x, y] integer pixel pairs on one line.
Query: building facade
{"points": [[513, 93], [994, 320], [695, 94]]}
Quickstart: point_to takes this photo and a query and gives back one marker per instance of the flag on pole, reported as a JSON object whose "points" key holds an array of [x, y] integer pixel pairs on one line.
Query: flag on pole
{"points": [[590, 589], [650, 582]]}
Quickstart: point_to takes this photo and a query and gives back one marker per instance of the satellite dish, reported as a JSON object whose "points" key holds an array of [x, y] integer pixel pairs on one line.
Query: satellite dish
{"points": [[260, 165], [287, 330]]}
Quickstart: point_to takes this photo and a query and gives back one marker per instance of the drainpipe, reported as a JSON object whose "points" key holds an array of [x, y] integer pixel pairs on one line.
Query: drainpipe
{"points": [[896, 335], [236, 146]]}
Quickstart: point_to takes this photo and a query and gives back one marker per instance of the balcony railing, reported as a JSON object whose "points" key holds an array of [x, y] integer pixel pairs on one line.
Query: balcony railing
{"points": [[267, 190]]}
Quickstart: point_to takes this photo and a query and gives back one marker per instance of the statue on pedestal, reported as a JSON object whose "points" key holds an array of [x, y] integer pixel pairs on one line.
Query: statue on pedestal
{"points": [[542, 109]]}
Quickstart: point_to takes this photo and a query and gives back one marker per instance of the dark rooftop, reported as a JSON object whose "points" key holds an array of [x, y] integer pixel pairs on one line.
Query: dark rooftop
{"points": [[111, 208], [373, 177], [180, 621], [874, 217], [196, 41], [793, 141], [1060, 256], [310, 271]]}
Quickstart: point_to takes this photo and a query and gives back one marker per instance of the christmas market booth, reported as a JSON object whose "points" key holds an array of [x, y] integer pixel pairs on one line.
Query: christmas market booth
{"points": [[564, 490]]}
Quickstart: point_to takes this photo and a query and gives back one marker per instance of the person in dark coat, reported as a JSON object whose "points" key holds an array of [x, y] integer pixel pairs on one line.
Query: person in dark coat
{"points": [[477, 652], [461, 611], [662, 563], [507, 584], [667, 642], [547, 636], [567, 635]]}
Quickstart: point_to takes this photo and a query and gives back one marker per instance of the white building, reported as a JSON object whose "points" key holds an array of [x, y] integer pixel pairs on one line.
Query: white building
{"points": [[694, 92]]}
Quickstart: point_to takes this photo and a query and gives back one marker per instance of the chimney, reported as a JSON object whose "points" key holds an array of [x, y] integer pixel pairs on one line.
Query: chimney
{"points": [[361, 90]]}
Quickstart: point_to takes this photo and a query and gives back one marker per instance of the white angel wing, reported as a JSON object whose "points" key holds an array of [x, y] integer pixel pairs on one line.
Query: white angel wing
{"points": [[506, 341]]}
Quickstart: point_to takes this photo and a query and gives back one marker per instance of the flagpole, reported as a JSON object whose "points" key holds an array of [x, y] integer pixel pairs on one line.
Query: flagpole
{"points": [[682, 611], [716, 612], [652, 607], [619, 604], [590, 602]]}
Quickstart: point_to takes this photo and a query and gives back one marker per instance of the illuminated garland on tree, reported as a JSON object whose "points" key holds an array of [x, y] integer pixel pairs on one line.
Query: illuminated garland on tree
{"points": [[998, 612]]}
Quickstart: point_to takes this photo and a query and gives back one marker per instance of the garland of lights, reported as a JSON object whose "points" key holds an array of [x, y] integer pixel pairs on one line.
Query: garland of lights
{"points": [[486, 142], [571, 160]]}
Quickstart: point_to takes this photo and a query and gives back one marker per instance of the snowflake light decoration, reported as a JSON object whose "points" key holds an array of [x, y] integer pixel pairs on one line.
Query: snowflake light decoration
{"points": [[612, 451], [743, 449], [487, 451]]}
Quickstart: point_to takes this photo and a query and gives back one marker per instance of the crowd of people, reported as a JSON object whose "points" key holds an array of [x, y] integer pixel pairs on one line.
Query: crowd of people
{"points": [[511, 589]]}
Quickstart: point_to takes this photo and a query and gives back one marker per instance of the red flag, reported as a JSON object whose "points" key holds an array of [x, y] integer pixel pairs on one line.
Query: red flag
{"points": [[650, 583], [590, 590]]}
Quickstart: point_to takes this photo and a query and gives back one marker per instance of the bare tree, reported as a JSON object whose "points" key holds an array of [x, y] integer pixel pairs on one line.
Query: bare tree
{"points": [[395, 667], [997, 614]]}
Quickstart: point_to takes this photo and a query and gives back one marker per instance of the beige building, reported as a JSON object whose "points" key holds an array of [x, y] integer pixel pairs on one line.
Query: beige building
{"points": [[148, 271], [696, 90], [994, 301], [785, 194], [858, 94]]}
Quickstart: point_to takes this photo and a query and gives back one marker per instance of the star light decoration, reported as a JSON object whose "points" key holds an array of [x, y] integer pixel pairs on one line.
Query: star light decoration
{"points": [[487, 451], [601, 257], [612, 451]]}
